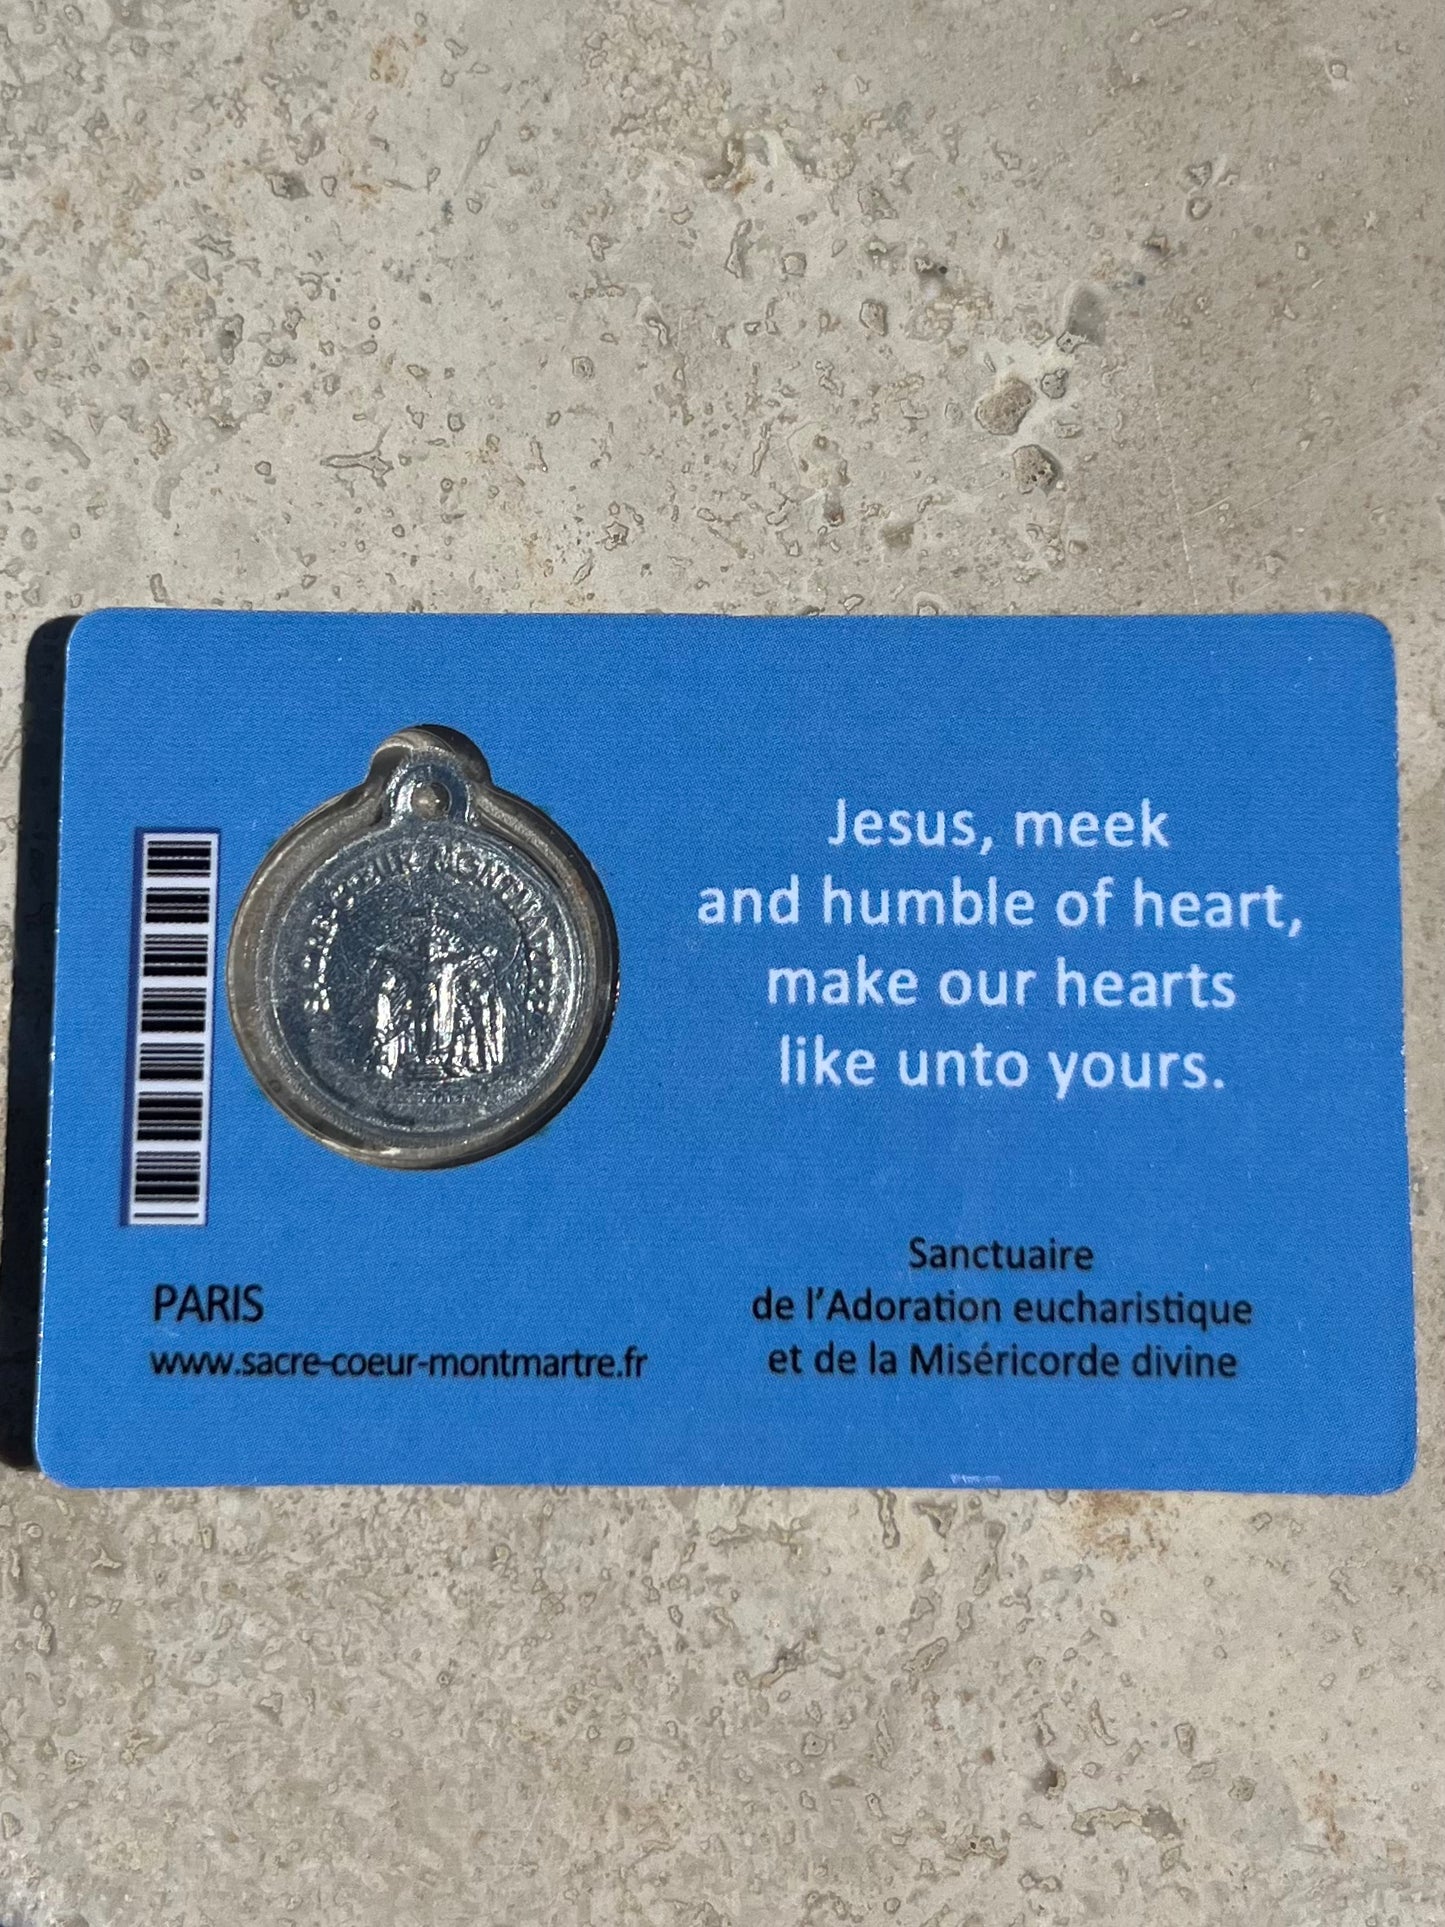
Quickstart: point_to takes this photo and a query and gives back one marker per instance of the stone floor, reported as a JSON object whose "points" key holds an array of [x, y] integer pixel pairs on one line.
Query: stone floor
{"points": [[994, 305]]}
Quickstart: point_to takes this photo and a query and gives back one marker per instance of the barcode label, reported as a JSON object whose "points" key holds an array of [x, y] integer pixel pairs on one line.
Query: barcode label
{"points": [[169, 1113]]}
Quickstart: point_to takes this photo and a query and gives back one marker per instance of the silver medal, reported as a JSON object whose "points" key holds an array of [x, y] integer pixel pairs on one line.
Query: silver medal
{"points": [[422, 971]]}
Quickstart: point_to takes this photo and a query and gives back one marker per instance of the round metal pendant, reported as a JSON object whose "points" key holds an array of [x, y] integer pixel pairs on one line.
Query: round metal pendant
{"points": [[422, 971]]}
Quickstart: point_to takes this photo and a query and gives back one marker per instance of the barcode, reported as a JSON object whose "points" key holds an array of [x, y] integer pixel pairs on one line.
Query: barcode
{"points": [[168, 1116]]}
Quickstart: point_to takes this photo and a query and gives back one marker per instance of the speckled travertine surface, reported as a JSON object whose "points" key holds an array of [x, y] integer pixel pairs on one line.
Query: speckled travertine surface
{"points": [[742, 307]]}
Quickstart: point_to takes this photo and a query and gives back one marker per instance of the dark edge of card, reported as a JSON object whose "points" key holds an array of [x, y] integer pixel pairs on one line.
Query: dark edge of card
{"points": [[22, 1230]]}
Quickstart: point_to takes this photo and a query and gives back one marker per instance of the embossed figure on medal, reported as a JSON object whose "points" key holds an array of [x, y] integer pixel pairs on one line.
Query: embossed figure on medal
{"points": [[422, 972]]}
